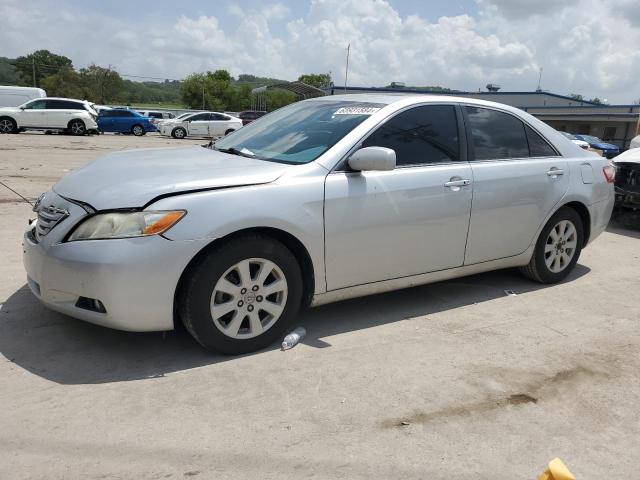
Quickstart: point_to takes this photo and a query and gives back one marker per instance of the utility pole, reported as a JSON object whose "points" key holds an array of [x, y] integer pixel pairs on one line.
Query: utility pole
{"points": [[33, 70], [346, 71], [539, 81]]}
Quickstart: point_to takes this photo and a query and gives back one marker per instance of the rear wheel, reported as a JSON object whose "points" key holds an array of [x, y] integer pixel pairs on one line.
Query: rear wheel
{"points": [[557, 249], [242, 296], [179, 133], [77, 127], [8, 125], [138, 130]]}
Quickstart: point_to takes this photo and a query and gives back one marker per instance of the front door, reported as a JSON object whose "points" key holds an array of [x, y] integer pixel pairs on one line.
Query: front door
{"points": [[34, 114], [199, 125], [518, 178], [408, 221]]}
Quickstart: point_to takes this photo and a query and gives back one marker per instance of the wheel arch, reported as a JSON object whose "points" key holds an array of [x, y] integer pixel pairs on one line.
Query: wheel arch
{"points": [[287, 239], [76, 119], [585, 216]]}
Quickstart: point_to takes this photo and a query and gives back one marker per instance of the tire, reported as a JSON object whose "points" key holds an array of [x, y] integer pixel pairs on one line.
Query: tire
{"points": [[231, 130], [179, 133], [8, 125], [77, 127], [215, 283], [557, 249], [138, 130]]}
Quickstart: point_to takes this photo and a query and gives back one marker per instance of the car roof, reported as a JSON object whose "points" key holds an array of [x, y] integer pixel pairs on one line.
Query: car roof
{"points": [[62, 98]]}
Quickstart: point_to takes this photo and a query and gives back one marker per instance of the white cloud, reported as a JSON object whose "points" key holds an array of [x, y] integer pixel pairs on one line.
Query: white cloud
{"points": [[585, 46]]}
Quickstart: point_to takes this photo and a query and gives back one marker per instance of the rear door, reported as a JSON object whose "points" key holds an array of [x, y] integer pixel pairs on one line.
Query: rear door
{"points": [[518, 178], [60, 112], [105, 120], [408, 221], [219, 124]]}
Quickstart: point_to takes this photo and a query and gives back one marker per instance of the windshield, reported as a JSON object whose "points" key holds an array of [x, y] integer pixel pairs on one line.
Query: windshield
{"points": [[184, 115], [298, 133], [590, 139]]}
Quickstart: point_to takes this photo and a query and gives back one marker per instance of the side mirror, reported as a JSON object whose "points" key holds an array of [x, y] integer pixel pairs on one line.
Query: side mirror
{"points": [[373, 158]]}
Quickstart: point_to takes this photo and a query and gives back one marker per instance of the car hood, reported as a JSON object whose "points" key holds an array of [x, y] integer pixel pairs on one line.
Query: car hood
{"points": [[134, 178], [630, 156], [9, 109]]}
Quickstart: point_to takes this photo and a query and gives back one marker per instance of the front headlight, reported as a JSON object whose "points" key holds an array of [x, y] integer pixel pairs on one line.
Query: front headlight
{"points": [[125, 225]]}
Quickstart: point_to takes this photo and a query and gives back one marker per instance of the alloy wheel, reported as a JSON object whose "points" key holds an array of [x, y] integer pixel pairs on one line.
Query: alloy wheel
{"points": [[77, 128], [6, 125], [560, 246], [249, 298]]}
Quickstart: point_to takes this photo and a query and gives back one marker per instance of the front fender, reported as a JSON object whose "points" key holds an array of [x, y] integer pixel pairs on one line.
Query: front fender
{"points": [[294, 206]]}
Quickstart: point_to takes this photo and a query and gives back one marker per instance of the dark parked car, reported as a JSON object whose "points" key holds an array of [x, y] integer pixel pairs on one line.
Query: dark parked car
{"points": [[608, 149], [249, 116], [124, 121], [627, 183]]}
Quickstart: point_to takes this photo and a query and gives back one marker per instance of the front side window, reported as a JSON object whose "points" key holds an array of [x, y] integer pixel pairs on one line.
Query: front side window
{"points": [[200, 117], [421, 135], [496, 135], [300, 132], [36, 105]]}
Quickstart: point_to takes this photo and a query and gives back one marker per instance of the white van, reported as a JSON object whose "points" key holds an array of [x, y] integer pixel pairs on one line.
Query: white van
{"points": [[15, 96]]}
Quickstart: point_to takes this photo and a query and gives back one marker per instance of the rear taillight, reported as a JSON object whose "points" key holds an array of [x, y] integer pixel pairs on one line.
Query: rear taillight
{"points": [[609, 173]]}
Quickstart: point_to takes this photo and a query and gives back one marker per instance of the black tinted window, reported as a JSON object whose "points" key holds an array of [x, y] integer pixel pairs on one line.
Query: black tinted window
{"points": [[121, 113], [154, 115], [496, 135], [200, 117], [427, 134], [538, 146], [217, 116]]}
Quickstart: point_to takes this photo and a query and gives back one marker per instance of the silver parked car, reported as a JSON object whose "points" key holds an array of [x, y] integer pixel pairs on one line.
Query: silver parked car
{"points": [[323, 200]]}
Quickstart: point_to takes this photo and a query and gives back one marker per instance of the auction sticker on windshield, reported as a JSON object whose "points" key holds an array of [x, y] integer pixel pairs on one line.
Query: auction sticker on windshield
{"points": [[356, 111]]}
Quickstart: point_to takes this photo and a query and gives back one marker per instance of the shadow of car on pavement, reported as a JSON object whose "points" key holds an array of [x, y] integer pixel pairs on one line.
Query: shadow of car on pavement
{"points": [[68, 351]]}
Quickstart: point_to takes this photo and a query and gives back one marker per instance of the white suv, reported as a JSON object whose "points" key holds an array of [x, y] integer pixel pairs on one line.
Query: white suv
{"points": [[74, 116]]}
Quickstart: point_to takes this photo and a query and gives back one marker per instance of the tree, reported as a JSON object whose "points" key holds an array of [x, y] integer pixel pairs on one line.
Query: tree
{"points": [[209, 91], [596, 100], [318, 80], [101, 85], [37, 65], [9, 75], [66, 83], [278, 98], [576, 96]]}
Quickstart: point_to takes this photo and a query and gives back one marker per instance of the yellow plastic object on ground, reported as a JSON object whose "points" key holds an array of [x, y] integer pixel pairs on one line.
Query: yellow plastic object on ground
{"points": [[556, 471]]}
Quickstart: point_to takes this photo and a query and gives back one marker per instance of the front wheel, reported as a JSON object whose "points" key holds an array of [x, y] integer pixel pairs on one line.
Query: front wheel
{"points": [[557, 249], [8, 125], [77, 127], [179, 133], [231, 130], [242, 296]]}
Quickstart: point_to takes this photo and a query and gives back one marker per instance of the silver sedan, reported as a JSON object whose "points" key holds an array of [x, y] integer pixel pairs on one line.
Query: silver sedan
{"points": [[320, 201]]}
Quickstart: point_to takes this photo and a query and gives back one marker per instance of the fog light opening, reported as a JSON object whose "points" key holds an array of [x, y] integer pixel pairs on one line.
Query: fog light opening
{"points": [[91, 304]]}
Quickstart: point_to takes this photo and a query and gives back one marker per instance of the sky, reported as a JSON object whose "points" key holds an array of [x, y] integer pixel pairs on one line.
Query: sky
{"points": [[590, 47]]}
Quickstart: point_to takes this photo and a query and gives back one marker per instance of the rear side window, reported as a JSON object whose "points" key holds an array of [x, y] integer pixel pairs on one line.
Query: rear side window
{"points": [[154, 115], [121, 113], [420, 135], [496, 135], [217, 116], [200, 117], [538, 146]]}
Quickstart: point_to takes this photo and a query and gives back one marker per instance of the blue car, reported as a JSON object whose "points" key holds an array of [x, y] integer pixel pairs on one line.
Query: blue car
{"points": [[122, 120], [608, 150]]}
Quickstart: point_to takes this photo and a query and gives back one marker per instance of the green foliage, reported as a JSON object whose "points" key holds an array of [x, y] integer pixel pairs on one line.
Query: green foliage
{"points": [[596, 100], [318, 80], [576, 96], [278, 98], [257, 81], [101, 84], [44, 62], [9, 74], [66, 83], [215, 91]]}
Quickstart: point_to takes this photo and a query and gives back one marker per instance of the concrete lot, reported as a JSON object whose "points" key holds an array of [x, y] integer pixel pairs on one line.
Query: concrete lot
{"points": [[489, 385]]}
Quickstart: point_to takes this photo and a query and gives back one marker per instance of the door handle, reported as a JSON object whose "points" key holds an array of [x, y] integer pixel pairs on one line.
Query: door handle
{"points": [[458, 183], [555, 172]]}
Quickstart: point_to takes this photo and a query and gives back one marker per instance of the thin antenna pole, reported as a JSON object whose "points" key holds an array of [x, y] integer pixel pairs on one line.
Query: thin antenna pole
{"points": [[539, 80], [346, 71]]}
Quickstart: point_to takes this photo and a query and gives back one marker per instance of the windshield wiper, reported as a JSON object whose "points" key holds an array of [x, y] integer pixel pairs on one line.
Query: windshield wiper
{"points": [[242, 152]]}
